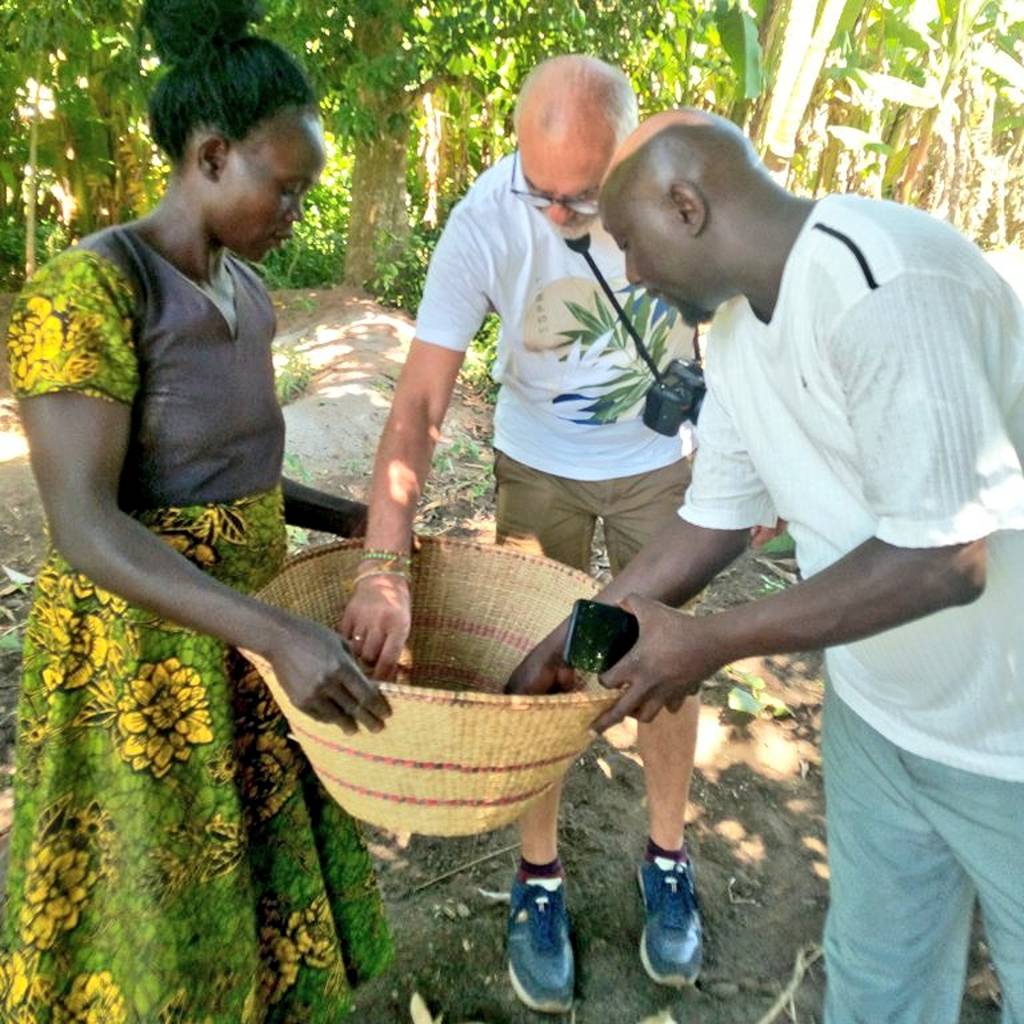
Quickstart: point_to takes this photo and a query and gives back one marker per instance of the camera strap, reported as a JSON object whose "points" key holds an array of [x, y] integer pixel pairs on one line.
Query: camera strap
{"points": [[581, 245]]}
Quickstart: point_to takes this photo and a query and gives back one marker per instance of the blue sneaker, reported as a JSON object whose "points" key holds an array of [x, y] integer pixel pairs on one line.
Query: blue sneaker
{"points": [[540, 961], [672, 945]]}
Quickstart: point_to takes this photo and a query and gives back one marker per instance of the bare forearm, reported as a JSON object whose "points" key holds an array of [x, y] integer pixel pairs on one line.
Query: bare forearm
{"points": [[78, 478], [122, 556], [399, 472], [874, 588], [673, 567], [677, 564]]}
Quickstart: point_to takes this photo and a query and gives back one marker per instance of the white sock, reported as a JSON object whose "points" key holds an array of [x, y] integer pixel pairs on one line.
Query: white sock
{"points": [[551, 884]]}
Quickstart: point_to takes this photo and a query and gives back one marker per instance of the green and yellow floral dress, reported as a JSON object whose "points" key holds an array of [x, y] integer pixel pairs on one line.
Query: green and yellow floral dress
{"points": [[173, 860]]}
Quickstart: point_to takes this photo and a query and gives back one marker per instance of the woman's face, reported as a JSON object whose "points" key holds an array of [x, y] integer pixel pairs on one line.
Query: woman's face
{"points": [[264, 179]]}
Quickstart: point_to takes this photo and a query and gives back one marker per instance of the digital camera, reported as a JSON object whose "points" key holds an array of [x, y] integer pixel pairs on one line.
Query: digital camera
{"points": [[676, 397]]}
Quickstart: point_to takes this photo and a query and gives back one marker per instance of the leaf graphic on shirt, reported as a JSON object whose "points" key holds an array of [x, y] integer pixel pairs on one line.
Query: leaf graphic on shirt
{"points": [[601, 335]]}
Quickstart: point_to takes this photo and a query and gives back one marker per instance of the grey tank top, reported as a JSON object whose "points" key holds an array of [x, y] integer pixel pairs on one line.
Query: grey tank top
{"points": [[206, 424]]}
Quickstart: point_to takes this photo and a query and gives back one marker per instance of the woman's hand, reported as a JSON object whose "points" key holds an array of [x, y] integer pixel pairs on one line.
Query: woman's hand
{"points": [[322, 679]]}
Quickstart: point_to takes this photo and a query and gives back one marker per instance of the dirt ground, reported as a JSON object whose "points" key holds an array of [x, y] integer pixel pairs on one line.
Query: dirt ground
{"points": [[756, 826]]}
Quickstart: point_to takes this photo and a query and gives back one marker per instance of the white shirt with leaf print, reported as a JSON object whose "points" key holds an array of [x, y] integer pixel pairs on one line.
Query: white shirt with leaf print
{"points": [[572, 383]]}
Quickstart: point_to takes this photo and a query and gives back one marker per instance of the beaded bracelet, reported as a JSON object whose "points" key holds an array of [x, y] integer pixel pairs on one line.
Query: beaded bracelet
{"points": [[379, 554]]}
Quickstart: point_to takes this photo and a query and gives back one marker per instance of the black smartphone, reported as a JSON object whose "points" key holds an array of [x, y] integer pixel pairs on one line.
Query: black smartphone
{"points": [[599, 635]]}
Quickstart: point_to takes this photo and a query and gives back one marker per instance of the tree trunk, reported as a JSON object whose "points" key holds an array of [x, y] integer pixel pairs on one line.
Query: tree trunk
{"points": [[918, 157], [957, 48], [379, 218], [430, 150], [32, 184], [804, 55], [772, 38]]}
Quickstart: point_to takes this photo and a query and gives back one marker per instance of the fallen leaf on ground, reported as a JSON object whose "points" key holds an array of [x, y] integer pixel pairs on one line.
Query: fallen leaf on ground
{"points": [[664, 1017], [492, 896], [419, 1012], [983, 986], [17, 577]]}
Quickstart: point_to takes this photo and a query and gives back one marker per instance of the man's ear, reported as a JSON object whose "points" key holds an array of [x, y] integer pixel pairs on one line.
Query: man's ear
{"points": [[690, 206], [212, 156]]}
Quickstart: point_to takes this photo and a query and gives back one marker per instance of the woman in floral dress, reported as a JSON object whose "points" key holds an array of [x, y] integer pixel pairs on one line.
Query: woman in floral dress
{"points": [[173, 860]]}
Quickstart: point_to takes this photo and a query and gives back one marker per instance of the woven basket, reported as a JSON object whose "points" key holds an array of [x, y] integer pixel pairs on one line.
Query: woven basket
{"points": [[457, 755]]}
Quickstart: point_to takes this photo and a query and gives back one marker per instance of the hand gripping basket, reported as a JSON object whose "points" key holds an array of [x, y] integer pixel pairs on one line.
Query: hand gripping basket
{"points": [[457, 755]]}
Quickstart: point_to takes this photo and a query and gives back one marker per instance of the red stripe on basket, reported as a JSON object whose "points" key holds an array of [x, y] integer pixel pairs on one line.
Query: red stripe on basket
{"points": [[441, 670], [458, 701], [466, 626], [469, 769], [395, 798]]}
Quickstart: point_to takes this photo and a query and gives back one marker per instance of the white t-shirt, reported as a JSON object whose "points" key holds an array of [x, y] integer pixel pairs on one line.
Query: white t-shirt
{"points": [[886, 399], [572, 384]]}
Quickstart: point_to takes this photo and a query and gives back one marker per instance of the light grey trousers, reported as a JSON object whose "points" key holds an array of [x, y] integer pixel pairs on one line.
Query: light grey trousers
{"points": [[911, 844]]}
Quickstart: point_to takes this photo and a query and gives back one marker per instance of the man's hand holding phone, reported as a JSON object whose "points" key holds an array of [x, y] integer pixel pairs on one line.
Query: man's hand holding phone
{"points": [[599, 635], [673, 654], [594, 638], [657, 656]]}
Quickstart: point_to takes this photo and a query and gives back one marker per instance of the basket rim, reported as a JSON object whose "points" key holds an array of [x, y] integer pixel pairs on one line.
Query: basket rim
{"points": [[460, 698], [466, 698], [429, 540]]}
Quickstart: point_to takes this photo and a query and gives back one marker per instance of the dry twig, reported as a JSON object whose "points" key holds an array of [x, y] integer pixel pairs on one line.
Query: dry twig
{"points": [[804, 959], [464, 867]]}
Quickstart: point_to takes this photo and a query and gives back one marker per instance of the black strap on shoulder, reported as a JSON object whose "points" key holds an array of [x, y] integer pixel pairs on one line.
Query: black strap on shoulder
{"points": [[854, 248]]}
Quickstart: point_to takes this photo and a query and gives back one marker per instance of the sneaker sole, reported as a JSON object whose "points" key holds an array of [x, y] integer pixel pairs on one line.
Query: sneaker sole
{"points": [[669, 980], [549, 1006]]}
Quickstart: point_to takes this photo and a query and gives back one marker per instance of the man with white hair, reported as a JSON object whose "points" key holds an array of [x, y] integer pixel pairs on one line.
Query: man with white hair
{"points": [[570, 447]]}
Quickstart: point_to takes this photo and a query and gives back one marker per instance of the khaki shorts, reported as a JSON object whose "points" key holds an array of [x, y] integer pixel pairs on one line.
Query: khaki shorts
{"points": [[551, 515]]}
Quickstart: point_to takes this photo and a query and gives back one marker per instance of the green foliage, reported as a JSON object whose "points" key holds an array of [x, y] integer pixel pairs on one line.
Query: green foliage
{"points": [[738, 33], [463, 469], [751, 698], [771, 584], [10, 641], [399, 281], [296, 469], [479, 362], [51, 238], [780, 546], [293, 373], [316, 253], [298, 539], [891, 69]]}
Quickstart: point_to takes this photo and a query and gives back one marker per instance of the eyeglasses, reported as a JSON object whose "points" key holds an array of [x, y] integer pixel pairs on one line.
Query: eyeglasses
{"points": [[541, 200]]}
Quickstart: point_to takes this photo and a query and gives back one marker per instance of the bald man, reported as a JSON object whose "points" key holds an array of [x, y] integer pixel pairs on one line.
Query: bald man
{"points": [[866, 382], [570, 447]]}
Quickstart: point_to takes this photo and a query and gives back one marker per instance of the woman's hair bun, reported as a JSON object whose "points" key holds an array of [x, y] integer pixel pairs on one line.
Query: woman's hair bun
{"points": [[190, 31]]}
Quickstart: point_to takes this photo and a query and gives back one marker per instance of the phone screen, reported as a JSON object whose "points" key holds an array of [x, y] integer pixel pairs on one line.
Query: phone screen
{"points": [[599, 635]]}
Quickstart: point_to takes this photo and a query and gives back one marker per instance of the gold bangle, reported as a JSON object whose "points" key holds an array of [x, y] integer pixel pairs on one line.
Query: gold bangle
{"points": [[387, 564], [378, 572]]}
